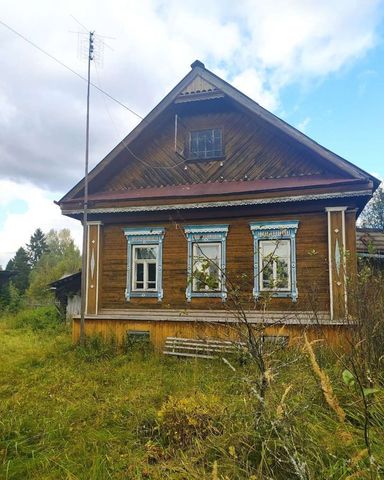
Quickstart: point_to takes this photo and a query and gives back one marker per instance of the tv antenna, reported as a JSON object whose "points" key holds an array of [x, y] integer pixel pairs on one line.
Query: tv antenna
{"points": [[91, 48]]}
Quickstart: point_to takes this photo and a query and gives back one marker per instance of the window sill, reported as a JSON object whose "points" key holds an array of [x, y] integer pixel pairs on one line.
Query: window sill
{"points": [[275, 294], [222, 295], [205, 159], [207, 294], [144, 294]]}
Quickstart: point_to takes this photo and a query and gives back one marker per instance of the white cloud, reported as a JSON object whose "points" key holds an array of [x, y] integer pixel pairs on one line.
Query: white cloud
{"points": [[259, 46], [302, 126], [255, 85], [16, 228], [308, 37]]}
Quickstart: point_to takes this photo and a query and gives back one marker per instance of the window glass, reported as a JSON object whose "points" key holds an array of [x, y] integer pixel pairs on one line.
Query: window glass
{"points": [[140, 275], [282, 273], [275, 263], [146, 252], [151, 275], [145, 267], [206, 267], [267, 273], [206, 143]]}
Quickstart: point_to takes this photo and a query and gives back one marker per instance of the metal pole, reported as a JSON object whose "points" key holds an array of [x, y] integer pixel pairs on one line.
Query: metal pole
{"points": [[85, 203]]}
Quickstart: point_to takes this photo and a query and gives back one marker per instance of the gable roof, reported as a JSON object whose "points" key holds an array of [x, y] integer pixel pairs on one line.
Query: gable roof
{"points": [[202, 83]]}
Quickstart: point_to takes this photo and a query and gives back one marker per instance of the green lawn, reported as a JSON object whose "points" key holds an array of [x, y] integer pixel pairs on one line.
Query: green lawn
{"points": [[68, 413]]}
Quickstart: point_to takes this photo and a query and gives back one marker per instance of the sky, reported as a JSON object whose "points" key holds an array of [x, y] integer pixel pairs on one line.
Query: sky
{"points": [[317, 65]]}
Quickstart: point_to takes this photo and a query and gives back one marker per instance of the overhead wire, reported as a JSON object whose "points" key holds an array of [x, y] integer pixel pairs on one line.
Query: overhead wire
{"points": [[68, 68], [97, 87], [126, 146]]}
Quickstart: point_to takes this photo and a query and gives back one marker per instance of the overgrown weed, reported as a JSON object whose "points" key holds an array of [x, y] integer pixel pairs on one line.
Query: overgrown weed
{"points": [[45, 318], [94, 413]]}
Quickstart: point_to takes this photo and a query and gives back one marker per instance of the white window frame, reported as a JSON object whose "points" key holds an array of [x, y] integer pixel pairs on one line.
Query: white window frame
{"points": [[195, 246], [206, 234], [145, 262], [274, 265], [144, 237]]}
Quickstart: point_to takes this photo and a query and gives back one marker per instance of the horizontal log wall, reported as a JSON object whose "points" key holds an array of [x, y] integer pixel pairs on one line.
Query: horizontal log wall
{"points": [[312, 265]]}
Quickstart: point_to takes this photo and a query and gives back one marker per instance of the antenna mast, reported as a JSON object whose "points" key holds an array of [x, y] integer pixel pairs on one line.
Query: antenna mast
{"points": [[85, 202]]}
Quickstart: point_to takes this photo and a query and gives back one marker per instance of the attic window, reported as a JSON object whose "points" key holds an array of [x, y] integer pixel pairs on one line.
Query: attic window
{"points": [[205, 144]]}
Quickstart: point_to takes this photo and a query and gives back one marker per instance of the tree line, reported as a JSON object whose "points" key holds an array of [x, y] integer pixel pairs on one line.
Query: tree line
{"points": [[373, 214], [44, 259]]}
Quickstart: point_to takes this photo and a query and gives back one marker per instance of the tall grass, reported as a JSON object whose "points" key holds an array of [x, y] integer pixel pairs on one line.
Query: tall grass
{"points": [[94, 413]]}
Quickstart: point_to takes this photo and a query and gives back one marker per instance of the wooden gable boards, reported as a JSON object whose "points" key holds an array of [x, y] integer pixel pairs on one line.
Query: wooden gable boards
{"points": [[200, 83]]}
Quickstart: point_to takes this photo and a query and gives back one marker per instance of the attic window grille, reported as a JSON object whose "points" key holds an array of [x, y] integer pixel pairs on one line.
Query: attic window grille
{"points": [[206, 144]]}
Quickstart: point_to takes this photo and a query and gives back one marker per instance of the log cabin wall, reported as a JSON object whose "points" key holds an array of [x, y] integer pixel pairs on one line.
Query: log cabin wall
{"points": [[312, 265]]}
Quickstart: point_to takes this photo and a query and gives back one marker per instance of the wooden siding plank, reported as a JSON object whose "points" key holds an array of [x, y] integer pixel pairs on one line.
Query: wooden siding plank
{"points": [[312, 269], [251, 149], [336, 336]]}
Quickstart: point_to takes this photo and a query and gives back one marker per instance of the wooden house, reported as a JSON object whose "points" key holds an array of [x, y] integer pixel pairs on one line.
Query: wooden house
{"points": [[211, 202]]}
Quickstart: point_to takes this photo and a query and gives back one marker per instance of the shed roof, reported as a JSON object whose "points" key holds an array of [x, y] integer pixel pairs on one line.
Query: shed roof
{"points": [[370, 241], [67, 282]]}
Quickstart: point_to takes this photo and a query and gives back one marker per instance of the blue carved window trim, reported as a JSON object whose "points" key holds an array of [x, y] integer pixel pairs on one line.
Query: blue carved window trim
{"points": [[144, 236], [206, 234], [285, 230]]}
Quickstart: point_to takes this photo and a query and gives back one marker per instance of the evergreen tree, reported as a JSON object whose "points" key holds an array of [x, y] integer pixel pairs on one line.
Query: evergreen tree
{"points": [[36, 247], [373, 214], [21, 266], [61, 258], [4, 293]]}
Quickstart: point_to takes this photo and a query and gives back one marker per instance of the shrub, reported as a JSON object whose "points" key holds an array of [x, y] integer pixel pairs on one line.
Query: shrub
{"points": [[367, 298], [39, 318], [96, 347], [184, 419], [138, 343]]}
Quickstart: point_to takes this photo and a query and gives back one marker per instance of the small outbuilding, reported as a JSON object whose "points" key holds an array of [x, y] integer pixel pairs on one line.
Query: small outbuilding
{"points": [[67, 292], [370, 245]]}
